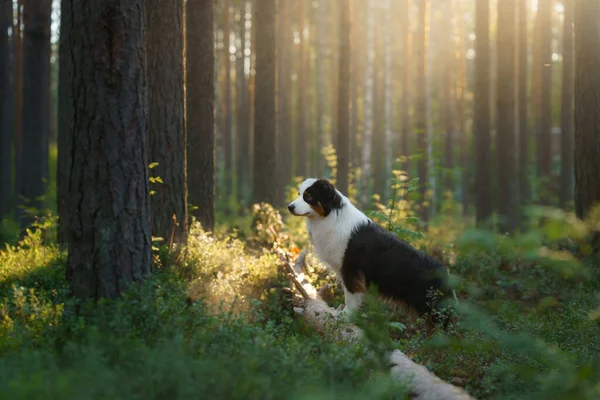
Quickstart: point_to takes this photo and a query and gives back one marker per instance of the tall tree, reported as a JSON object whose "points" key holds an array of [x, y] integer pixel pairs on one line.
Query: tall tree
{"points": [[343, 131], [481, 117], [378, 140], [587, 104], [242, 131], [544, 69], [523, 104], [505, 117], [368, 108], [6, 16], [284, 126], [109, 228], [226, 111], [301, 89], [18, 103], [65, 119], [405, 94], [461, 90], [566, 113], [166, 130], [36, 102], [200, 118], [265, 116], [421, 123], [449, 97]]}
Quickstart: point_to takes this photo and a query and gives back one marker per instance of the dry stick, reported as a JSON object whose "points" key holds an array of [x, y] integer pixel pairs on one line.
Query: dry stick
{"points": [[424, 384]]}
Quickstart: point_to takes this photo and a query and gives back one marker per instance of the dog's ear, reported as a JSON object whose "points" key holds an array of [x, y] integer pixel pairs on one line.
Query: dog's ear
{"points": [[329, 195]]}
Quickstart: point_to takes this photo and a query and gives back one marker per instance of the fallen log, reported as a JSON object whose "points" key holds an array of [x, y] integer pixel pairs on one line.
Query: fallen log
{"points": [[423, 384]]}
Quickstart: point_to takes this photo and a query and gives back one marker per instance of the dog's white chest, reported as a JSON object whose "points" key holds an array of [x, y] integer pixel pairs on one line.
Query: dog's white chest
{"points": [[329, 241]]}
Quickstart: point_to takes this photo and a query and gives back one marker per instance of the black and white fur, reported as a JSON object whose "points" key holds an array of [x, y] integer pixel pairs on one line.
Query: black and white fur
{"points": [[361, 253]]}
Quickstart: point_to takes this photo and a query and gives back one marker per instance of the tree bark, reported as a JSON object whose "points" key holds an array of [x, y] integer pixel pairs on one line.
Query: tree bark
{"points": [[284, 127], [6, 192], [343, 131], [505, 118], [449, 82], [109, 227], [200, 102], [421, 124], [587, 106], [18, 104], [226, 104], [524, 191], [265, 117], [302, 141], [242, 131], [566, 113], [368, 108], [544, 69], [481, 117], [405, 95], [36, 104], [461, 89], [166, 129]]}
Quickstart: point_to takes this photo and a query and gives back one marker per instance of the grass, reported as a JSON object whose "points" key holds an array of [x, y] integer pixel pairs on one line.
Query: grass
{"points": [[215, 322]]}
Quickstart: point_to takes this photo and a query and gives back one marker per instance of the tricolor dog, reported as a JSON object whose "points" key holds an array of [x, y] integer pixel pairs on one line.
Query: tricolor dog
{"points": [[361, 253]]}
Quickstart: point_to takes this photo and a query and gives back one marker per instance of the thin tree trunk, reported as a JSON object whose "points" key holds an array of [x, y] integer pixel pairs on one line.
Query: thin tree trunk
{"points": [[343, 145], [460, 90], [18, 105], [265, 117], [449, 100], [387, 99], [544, 69], [321, 83], [200, 103], [109, 229], [368, 108], [566, 114], [36, 103], [421, 103], [242, 130], [166, 130], [226, 111], [284, 128], [481, 117], [301, 138], [6, 192], [505, 118], [405, 95], [378, 141], [587, 108], [524, 192]]}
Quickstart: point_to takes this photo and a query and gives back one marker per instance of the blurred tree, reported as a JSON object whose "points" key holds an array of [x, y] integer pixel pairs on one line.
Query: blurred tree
{"points": [[505, 118], [461, 93], [6, 193], [226, 112], [265, 115], [522, 59], [109, 230], [242, 130], [448, 92], [420, 116], [18, 103], [587, 104], [284, 126], [405, 95], [379, 93], [302, 143], [481, 113], [566, 113], [544, 69], [200, 117], [36, 103], [166, 123], [343, 145], [368, 103]]}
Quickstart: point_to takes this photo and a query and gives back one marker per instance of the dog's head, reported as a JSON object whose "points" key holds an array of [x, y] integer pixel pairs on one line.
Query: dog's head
{"points": [[317, 197]]}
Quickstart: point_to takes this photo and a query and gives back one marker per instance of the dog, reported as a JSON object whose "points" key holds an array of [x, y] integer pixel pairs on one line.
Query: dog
{"points": [[362, 253]]}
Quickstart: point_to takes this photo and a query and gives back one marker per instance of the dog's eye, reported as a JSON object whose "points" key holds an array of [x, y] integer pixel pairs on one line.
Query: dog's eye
{"points": [[307, 196]]}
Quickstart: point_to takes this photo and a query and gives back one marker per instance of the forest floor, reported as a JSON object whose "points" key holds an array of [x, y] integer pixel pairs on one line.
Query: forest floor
{"points": [[215, 321]]}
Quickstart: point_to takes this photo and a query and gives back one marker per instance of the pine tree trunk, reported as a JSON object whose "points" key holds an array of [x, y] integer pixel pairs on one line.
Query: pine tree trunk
{"points": [[449, 100], [544, 69], [524, 191], [65, 119], [421, 106], [505, 118], [368, 132], [6, 193], [481, 114], [265, 116], [166, 130], [109, 227], [405, 95], [284, 128], [566, 114], [461, 90], [18, 104], [200, 118], [242, 131], [226, 111], [343, 145], [587, 107], [378, 141], [301, 138], [387, 82], [36, 103]]}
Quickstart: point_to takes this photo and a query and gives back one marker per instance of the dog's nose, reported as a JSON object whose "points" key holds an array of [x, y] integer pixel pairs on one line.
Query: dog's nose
{"points": [[291, 207]]}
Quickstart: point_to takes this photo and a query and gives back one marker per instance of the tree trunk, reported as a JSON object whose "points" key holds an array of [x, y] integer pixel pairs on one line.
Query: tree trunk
{"points": [[544, 69], [36, 103], [587, 106], [524, 191], [343, 145], [368, 108], [200, 118], [405, 94], [166, 131], [505, 118], [242, 131], [226, 109], [421, 123], [284, 127], [566, 113], [65, 119], [387, 99], [378, 144], [109, 227], [321, 22], [18, 104], [481, 117], [449, 96], [265, 117], [461, 89], [301, 137], [6, 16]]}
